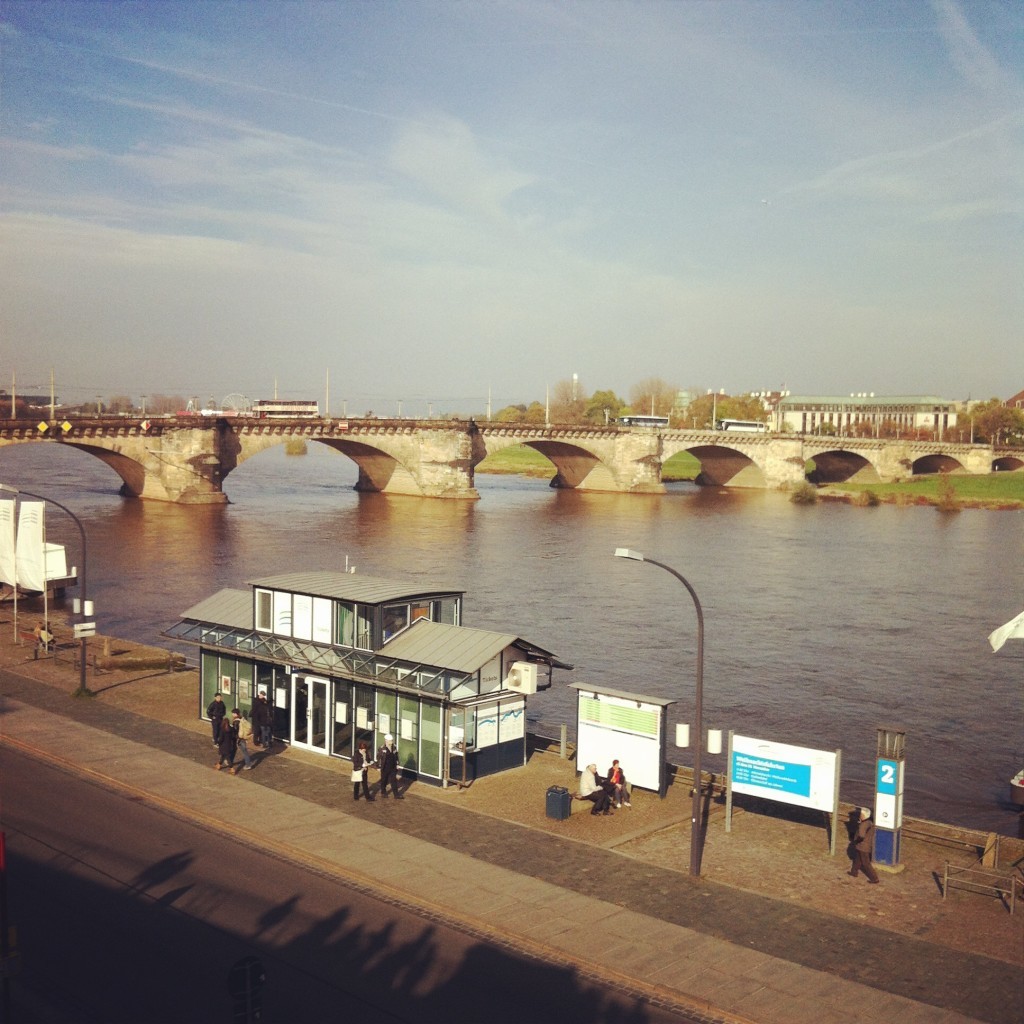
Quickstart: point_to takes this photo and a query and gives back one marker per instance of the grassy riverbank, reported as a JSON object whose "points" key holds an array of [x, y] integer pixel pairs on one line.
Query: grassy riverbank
{"points": [[994, 491], [523, 461]]}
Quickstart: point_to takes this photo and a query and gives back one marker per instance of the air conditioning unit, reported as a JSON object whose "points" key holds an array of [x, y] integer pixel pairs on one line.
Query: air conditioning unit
{"points": [[522, 677]]}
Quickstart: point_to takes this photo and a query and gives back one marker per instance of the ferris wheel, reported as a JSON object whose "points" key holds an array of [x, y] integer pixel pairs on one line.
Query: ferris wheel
{"points": [[236, 403]]}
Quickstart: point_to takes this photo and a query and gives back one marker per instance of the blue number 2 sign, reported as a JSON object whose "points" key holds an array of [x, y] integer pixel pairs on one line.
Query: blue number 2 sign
{"points": [[886, 781]]}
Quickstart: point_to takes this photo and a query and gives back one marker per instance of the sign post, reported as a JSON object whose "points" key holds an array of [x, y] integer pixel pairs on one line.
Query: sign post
{"points": [[889, 795]]}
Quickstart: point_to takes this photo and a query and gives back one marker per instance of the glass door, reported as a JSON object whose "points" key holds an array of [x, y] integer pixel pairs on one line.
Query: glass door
{"points": [[309, 712]]}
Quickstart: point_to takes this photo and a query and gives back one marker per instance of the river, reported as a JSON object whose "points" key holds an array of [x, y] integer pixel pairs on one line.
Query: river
{"points": [[822, 622]]}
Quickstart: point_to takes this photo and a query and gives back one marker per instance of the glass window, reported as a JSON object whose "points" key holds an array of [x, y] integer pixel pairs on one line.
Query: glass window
{"points": [[282, 613], [447, 611], [322, 620], [245, 694], [342, 717], [430, 739], [346, 624], [387, 713], [302, 616], [420, 610], [396, 618], [362, 708], [364, 628], [463, 686], [408, 733], [211, 679], [263, 610]]}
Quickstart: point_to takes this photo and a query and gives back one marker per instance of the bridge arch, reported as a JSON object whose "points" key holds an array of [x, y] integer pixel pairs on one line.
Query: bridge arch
{"points": [[837, 465], [937, 463], [720, 464], [1008, 463], [584, 458]]}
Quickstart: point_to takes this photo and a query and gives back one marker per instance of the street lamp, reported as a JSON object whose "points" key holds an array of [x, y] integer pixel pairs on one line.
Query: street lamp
{"points": [[83, 690], [697, 811]]}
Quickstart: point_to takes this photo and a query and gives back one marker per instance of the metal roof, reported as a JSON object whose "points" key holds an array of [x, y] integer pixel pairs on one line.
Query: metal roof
{"points": [[347, 586], [882, 400], [458, 648], [227, 607], [624, 694]]}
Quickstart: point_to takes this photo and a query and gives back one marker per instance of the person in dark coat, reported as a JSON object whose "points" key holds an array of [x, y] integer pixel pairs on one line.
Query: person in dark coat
{"points": [[226, 747], [216, 712], [863, 847], [262, 721], [387, 763], [360, 769]]}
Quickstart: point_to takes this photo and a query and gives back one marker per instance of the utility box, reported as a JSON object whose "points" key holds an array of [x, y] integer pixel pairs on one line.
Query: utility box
{"points": [[559, 803], [522, 677]]}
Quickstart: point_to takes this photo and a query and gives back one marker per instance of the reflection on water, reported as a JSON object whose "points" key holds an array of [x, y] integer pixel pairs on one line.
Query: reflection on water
{"points": [[822, 622]]}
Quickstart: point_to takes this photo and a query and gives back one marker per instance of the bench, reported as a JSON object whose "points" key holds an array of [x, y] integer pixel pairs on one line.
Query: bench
{"points": [[1001, 884]]}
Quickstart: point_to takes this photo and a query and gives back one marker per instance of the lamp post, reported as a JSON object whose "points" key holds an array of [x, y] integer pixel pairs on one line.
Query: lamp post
{"points": [[83, 690], [697, 811]]}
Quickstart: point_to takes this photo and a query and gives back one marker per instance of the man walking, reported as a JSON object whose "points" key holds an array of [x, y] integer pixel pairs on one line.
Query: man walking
{"points": [[863, 847], [262, 721], [243, 732], [216, 712], [387, 764]]}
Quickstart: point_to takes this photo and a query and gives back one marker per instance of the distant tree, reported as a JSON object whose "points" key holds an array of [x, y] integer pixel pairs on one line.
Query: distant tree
{"points": [[653, 397], [991, 420], [567, 402], [117, 404], [158, 405], [724, 407], [510, 414], [600, 403], [535, 413]]}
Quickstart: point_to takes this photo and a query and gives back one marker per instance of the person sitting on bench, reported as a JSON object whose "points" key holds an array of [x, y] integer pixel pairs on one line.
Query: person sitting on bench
{"points": [[591, 789]]}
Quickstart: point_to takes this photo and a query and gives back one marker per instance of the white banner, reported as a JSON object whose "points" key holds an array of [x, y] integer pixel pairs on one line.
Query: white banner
{"points": [[1012, 629], [31, 567], [8, 569]]}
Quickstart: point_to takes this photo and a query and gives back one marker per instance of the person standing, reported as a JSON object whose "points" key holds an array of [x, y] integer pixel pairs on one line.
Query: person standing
{"points": [[216, 712], [863, 847], [360, 769], [243, 736], [262, 721], [387, 764], [226, 748]]}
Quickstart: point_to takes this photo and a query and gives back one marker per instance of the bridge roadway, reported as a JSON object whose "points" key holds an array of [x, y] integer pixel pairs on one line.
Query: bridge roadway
{"points": [[187, 459]]}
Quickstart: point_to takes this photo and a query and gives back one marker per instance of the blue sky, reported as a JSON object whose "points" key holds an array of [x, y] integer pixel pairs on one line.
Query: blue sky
{"points": [[424, 203]]}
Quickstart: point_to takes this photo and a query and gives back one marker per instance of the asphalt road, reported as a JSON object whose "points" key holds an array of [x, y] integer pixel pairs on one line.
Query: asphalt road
{"points": [[126, 914]]}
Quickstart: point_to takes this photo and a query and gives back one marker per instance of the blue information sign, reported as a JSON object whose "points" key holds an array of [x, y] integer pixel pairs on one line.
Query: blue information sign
{"points": [[888, 775], [769, 773]]}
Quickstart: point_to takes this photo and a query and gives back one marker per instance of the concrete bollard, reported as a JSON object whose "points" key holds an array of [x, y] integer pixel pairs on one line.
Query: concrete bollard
{"points": [[562, 741]]}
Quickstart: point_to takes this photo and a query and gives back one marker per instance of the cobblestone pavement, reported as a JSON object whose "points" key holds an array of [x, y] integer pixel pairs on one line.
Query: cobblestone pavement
{"points": [[768, 885]]}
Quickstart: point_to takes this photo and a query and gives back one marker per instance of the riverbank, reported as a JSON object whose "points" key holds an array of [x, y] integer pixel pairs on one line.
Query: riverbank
{"points": [[776, 852]]}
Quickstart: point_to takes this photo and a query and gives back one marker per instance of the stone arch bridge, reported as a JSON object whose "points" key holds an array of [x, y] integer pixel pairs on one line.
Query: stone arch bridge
{"points": [[187, 459]]}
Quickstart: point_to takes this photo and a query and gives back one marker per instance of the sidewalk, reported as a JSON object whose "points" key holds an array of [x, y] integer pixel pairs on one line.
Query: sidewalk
{"points": [[790, 938]]}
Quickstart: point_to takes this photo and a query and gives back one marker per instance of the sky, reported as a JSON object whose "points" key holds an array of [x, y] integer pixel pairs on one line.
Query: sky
{"points": [[417, 208]]}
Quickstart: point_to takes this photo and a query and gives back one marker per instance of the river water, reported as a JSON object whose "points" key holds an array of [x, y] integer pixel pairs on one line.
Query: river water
{"points": [[822, 622]]}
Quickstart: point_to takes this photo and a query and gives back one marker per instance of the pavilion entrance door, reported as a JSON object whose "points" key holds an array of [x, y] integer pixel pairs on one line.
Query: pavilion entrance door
{"points": [[309, 712]]}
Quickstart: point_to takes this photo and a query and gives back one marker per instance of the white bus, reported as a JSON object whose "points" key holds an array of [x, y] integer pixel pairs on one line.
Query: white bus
{"points": [[746, 426], [285, 408], [642, 421]]}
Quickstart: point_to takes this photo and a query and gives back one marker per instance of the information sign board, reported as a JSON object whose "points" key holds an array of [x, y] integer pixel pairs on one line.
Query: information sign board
{"points": [[779, 771]]}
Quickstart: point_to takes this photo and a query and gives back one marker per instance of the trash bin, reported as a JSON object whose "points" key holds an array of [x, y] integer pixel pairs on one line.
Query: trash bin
{"points": [[559, 803]]}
